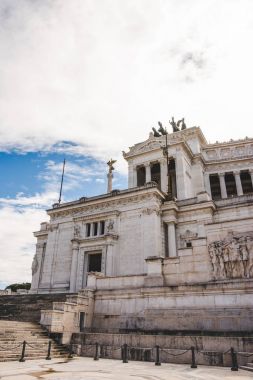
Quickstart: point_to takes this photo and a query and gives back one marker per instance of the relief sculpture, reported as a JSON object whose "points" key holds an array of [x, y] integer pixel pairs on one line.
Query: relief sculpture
{"points": [[232, 257]]}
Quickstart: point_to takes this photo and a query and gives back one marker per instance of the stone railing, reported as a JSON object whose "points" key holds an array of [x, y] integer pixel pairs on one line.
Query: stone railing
{"points": [[234, 200]]}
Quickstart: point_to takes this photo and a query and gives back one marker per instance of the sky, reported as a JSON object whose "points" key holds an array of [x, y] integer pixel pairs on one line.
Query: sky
{"points": [[86, 79]]}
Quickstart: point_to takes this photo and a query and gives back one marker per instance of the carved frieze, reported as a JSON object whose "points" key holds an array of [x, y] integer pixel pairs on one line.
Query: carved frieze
{"points": [[232, 257]]}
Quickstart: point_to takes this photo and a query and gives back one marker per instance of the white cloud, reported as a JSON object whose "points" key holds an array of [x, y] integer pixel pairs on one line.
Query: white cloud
{"points": [[100, 73], [17, 242]]}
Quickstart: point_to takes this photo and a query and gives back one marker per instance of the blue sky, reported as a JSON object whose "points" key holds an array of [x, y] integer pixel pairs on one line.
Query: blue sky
{"points": [[87, 79], [30, 173]]}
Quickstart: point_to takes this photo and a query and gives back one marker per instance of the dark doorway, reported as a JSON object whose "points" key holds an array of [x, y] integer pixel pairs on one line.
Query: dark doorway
{"points": [[82, 321], [94, 264]]}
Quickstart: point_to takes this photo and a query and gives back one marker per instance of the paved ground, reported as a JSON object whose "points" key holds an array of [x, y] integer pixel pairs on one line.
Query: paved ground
{"points": [[105, 369]]}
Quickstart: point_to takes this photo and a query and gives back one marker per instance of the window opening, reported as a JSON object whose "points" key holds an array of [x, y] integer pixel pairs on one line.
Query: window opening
{"points": [[102, 227], [94, 264], [95, 229], [88, 229], [156, 173], [82, 321], [230, 184], [141, 176], [246, 182], [215, 186]]}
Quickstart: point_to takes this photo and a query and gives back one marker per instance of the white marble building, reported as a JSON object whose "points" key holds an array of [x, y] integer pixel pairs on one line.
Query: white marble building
{"points": [[176, 239]]}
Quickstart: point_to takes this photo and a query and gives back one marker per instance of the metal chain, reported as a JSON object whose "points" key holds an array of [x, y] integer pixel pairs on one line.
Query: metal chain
{"points": [[170, 353], [10, 349]]}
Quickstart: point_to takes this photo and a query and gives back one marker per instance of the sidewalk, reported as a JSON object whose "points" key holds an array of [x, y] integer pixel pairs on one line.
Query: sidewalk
{"points": [[107, 369]]}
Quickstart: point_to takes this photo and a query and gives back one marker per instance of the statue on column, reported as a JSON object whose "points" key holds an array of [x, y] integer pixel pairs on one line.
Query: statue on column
{"points": [[110, 174]]}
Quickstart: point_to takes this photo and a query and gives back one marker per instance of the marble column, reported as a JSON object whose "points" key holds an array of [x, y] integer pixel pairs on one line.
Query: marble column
{"points": [[164, 177], [134, 176], [238, 183], [172, 239], [223, 185], [207, 184], [148, 172], [109, 184], [73, 273]]}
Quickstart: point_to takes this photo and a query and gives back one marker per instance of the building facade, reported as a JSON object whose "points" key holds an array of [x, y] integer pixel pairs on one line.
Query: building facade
{"points": [[178, 242]]}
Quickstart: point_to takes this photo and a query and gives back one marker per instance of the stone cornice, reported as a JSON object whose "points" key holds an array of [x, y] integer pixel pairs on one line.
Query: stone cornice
{"points": [[98, 203], [156, 143]]}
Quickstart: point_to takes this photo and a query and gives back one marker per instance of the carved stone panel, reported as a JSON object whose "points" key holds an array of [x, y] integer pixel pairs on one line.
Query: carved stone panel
{"points": [[232, 257]]}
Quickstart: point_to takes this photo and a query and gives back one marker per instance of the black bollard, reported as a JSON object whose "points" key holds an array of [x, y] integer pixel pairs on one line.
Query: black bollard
{"points": [[193, 365], [96, 357], [234, 360], [157, 355], [70, 355], [22, 359], [125, 355], [49, 350]]}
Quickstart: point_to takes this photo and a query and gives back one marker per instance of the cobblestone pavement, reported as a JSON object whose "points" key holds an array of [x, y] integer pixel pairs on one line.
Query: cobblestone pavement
{"points": [[106, 369]]}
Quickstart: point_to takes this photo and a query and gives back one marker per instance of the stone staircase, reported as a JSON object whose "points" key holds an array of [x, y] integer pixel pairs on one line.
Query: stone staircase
{"points": [[12, 335], [247, 367]]}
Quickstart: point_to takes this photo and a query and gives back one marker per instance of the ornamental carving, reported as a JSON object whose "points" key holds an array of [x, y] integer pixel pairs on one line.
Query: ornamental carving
{"points": [[232, 257]]}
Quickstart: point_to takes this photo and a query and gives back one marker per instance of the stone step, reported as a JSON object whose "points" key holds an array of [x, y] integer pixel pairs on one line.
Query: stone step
{"points": [[12, 334], [246, 368]]}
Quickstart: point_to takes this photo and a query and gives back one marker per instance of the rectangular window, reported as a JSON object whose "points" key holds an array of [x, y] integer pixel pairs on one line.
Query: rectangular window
{"points": [[102, 227], [230, 184], [215, 186], [82, 321], [88, 229], [94, 263], [246, 182], [95, 229]]}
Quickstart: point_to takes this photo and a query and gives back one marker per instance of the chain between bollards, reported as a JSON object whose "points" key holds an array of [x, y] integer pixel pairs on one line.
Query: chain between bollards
{"points": [[234, 360], [193, 365], [96, 357], [49, 350], [157, 355], [22, 358], [124, 353]]}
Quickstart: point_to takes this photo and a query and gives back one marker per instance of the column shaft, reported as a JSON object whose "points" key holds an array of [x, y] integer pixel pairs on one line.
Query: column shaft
{"points": [[172, 239], [207, 184], [164, 177], [223, 185], [238, 183], [72, 286], [148, 172], [134, 176]]}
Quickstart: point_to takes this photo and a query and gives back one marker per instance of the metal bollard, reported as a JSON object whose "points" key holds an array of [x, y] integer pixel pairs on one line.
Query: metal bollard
{"points": [[96, 357], [49, 350], [70, 355], [157, 355], [193, 365], [22, 359], [234, 360], [125, 356]]}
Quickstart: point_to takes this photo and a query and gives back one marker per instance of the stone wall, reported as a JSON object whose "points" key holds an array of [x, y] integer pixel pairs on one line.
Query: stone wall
{"points": [[215, 306], [27, 307], [210, 349]]}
